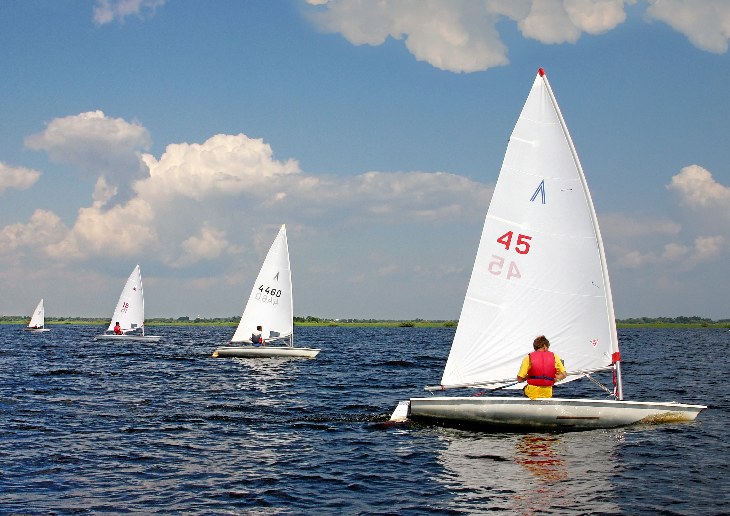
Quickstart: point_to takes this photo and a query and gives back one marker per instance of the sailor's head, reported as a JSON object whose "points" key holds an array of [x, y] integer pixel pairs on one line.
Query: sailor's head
{"points": [[258, 328], [541, 342]]}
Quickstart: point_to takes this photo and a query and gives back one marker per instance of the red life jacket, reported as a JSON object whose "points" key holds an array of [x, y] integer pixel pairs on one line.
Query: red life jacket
{"points": [[542, 369]]}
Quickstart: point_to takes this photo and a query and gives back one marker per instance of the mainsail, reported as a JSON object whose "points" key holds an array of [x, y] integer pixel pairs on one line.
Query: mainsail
{"points": [[540, 268], [129, 311], [270, 304], [38, 319]]}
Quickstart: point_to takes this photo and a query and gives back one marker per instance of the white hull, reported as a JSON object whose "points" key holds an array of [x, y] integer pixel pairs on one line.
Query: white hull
{"points": [[264, 352], [37, 330], [547, 414], [129, 338]]}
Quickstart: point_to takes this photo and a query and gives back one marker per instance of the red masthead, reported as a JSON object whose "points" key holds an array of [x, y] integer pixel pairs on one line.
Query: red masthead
{"points": [[541, 72]]}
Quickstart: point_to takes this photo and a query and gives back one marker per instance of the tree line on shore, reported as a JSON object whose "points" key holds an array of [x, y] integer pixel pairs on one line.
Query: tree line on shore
{"points": [[682, 321]]}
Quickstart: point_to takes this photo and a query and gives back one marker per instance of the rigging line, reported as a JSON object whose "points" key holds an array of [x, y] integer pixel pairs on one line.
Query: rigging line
{"points": [[600, 385]]}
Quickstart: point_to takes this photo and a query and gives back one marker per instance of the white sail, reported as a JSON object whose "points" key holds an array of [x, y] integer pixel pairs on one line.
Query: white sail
{"points": [[38, 319], [270, 304], [540, 268], [129, 312]]}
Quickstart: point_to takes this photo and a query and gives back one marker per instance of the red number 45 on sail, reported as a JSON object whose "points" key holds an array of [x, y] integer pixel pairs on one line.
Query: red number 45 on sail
{"points": [[523, 242]]}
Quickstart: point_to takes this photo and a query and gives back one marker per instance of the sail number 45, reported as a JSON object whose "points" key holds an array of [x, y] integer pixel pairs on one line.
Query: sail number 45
{"points": [[522, 246]]}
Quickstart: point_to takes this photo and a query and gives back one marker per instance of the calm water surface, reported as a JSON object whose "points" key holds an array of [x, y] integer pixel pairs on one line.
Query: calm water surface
{"points": [[89, 427]]}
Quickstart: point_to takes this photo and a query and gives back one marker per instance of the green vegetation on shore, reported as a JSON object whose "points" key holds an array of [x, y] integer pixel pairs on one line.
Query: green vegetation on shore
{"points": [[641, 322]]}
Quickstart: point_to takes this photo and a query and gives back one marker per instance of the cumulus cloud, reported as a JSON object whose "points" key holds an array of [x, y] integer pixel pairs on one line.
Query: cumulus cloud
{"points": [[19, 178], [121, 231], [197, 202], [462, 35], [224, 165], [706, 24], [698, 189], [106, 11], [97, 145], [43, 230]]}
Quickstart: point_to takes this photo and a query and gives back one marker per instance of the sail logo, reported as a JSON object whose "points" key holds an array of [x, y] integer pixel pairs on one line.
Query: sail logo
{"points": [[594, 342], [539, 191], [125, 307]]}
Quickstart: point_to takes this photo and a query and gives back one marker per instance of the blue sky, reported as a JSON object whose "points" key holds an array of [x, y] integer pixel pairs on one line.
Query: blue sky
{"points": [[179, 135]]}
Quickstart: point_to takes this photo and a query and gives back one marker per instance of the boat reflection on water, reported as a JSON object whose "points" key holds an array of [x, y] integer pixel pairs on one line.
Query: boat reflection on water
{"points": [[541, 455], [567, 473]]}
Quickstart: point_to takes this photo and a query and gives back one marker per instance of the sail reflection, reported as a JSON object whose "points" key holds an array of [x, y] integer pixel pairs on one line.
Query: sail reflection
{"points": [[532, 473]]}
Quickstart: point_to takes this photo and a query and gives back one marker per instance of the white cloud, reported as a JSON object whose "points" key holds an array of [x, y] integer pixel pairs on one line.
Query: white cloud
{"points": [[43, 230], [706, 23], [224, 165], [121, 231], [697, 189], [461, 35], [106, 11], [98, 145], [208, 244], [19, 178]]}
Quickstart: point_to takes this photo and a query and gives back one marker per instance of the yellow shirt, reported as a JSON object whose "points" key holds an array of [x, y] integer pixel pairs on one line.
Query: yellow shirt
{"points": [[539, 391]]}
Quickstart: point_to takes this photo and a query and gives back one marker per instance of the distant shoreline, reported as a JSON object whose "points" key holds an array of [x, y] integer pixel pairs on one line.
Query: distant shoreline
{"points": [[350, 323]]}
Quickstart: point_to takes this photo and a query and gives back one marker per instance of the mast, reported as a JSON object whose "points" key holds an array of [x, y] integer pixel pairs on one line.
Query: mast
{"points": [[616, 357]]}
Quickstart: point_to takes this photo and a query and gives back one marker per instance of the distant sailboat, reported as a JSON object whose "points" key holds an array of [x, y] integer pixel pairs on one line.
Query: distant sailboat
{"points": [[266, 329], [37, 322], [540, 270], [129, 313]]}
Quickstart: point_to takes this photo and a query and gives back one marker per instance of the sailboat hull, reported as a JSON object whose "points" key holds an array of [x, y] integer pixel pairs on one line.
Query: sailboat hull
{"points": [[264, 352], [37, 330], [547, 414], [130, 338]]}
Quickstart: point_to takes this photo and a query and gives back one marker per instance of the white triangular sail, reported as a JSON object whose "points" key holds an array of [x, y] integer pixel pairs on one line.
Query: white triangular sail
{"points": [[540, 268], [130, 307], [270, 304], [38, 319]]}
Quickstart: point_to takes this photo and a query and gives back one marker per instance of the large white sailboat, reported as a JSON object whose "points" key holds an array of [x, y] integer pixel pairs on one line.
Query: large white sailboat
{"points": [[37, 322], [129, 313], [540, 270], [266, 328]]}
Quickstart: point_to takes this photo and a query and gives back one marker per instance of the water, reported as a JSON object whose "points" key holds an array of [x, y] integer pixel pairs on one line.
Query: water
{"points": [[91, 427]]}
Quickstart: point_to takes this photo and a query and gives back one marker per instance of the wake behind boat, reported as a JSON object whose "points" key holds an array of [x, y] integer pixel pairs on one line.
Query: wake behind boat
{"points": [[128, 318], [540, 270], [37, 322], [266, 328]]}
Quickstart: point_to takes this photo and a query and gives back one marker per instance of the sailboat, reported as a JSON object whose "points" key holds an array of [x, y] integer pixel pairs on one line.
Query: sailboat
{"points": [[37, 322], [540, 269], [266, 328], [129, 313]]}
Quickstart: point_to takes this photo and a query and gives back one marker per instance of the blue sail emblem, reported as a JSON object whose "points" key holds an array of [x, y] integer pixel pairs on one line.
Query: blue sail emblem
{"points": [[541, 191]]}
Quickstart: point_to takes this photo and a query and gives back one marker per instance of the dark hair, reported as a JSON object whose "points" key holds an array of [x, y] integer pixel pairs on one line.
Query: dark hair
{"points": [[540, 342]]}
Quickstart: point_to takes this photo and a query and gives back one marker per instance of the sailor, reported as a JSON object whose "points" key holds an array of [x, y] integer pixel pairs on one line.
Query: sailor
{"points": [[117, 329], [541, 368], [256, 338]]}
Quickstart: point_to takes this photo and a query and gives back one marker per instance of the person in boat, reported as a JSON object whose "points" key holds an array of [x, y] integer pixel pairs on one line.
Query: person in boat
{"points": [[117, 329], [257, 338], [541, 368]]}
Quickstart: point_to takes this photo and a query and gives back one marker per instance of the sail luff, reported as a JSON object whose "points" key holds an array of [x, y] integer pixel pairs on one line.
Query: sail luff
{"points": [[613, 332]]}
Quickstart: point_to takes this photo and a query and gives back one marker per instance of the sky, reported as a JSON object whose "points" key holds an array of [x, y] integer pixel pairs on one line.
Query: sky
{"points": [[179, 135]]}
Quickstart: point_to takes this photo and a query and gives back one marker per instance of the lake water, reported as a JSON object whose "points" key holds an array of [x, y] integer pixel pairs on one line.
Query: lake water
{"points": [[89, 427]]}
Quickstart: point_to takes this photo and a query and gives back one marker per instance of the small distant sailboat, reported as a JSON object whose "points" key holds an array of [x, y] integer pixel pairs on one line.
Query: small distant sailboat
{"points": [[37, 322], [270, 308], [129, 313], [540, 269]]}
